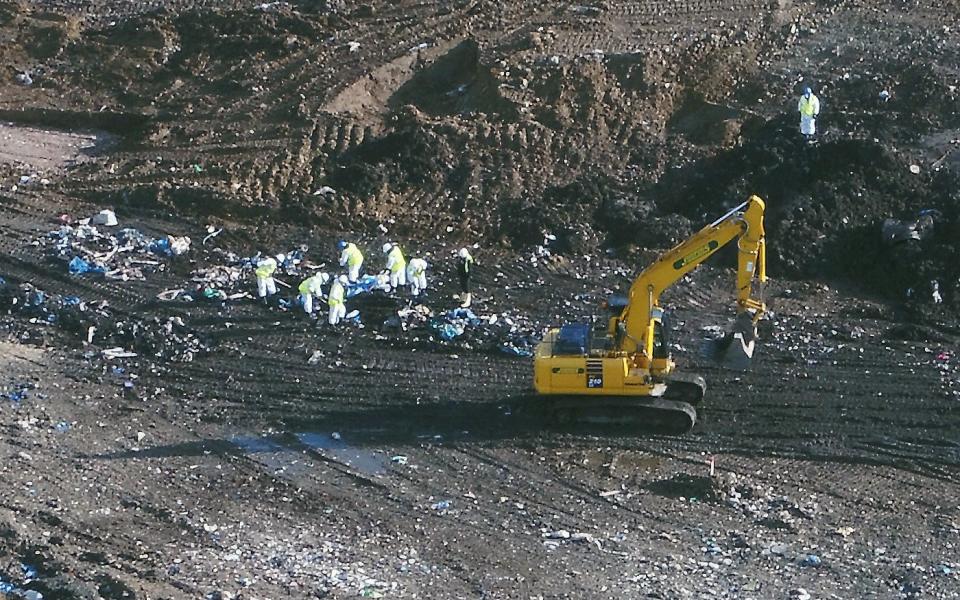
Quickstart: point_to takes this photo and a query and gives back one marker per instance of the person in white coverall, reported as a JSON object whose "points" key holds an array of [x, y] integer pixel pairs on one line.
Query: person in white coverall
{"points": [[336, 299], [809, 107], [417, 275], [351, 258], [396, 265], [266, 286], [311, 288]]}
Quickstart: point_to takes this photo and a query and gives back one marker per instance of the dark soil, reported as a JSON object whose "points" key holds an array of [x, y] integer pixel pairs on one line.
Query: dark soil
{"points": [[246, 452]]}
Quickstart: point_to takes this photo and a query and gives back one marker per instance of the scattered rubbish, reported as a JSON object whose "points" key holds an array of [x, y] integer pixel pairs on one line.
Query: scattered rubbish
{"points": [[584, 537], [884, 96], [78, 266], [62, 427], [399, 459], [442, 505], [515, 350], [18, 392], [800, 594], [409, 318], [915, 169], [170, 295], [30, 180], [895, 231], [944, 569], [170, 246], [586, 11], [117, 353], [124, 255], [561, 534], [212, 232], [368, 283], [811, 560], [447, 331], [24, 78], [105, 217]]}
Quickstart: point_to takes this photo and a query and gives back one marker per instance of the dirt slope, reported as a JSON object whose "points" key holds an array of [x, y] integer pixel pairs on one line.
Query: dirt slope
{"points": [[246, 453]]}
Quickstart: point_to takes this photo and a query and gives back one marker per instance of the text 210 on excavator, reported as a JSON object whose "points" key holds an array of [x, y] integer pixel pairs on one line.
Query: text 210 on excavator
{"points": [[629, 374]]}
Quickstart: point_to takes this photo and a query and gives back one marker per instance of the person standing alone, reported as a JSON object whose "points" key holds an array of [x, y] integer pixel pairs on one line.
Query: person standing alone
{"points": [[809, 107]]}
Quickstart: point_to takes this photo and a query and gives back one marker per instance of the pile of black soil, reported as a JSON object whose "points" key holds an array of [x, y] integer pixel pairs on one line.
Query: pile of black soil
{"points": [[826, 203]]}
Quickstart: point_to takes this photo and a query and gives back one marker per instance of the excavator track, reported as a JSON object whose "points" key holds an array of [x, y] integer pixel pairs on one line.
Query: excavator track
{"points": [[685, 387], [643, 413]]}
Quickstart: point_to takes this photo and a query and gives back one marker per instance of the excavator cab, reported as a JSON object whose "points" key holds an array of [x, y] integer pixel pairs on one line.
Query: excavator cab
{"points": [[661, 337]]}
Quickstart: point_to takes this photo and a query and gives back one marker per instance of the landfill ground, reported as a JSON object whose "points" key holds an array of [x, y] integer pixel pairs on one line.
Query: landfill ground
{"points": [[210, 448]]}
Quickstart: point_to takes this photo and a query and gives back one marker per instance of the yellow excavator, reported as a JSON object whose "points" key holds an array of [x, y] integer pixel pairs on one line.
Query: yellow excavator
{"points": [[628, 374]]}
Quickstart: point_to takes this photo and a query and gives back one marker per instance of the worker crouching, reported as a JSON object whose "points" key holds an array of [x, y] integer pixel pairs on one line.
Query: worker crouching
{"points": [[310, 288], [417, 276], [396, 265], [266, 286]]}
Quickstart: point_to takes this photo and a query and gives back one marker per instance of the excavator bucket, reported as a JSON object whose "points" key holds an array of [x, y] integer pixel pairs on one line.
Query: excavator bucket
{"points": [[734, 349]]}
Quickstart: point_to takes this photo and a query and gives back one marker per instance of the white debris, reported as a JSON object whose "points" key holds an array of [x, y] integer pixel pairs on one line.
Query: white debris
{"points": [[561, 534], [105, 217]]}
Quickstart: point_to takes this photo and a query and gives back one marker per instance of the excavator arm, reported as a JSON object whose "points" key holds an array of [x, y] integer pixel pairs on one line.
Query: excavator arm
{"points": [[636, 326]]}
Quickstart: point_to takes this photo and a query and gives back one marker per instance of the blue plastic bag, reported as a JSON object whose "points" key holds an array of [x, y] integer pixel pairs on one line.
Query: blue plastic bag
{"points": [[161, 246], [363, 285], [78, 266]]}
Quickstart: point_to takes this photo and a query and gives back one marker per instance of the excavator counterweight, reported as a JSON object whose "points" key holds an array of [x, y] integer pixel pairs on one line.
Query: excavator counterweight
{"points": [[627, 375]]}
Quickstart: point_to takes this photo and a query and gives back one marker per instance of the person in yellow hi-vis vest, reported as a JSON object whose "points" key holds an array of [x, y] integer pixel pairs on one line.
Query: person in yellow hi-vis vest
{"points": [[311, 288], [396, 265], [264, 271], [809, 107], [336, 298], [351, 258]]}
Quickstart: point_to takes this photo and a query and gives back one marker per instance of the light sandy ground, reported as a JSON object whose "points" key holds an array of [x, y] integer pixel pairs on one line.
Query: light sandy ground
{"points": [[43, 149]]}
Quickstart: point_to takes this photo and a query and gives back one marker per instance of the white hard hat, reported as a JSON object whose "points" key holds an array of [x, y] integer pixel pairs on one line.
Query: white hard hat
{"points": [[463, 253], [281, 257], [387, 247], [323, 277], [343, 280]]}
